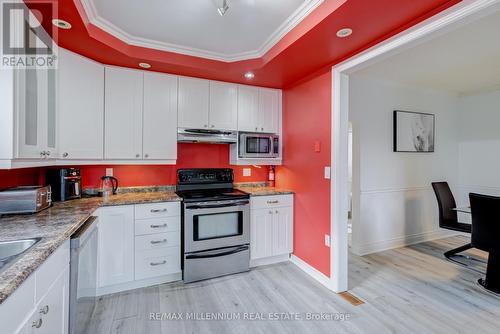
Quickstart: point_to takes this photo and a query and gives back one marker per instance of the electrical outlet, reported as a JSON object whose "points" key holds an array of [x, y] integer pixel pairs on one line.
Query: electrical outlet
{"points": [[327, 240], [247, 172], [328, 172], [109, 171]]}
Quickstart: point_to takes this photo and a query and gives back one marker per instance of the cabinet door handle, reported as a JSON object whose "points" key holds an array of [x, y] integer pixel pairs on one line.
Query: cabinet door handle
{"points": [[48, 152], [212, 126], [205, 125], [276, 211], [157, 226], [270, 212], [154, 242], [256, 128], [158, 210], [273, 202], [157, 263], [65, 154], [44, 310], [146, 155], [37, 323], [137, 155], [262, 129]]}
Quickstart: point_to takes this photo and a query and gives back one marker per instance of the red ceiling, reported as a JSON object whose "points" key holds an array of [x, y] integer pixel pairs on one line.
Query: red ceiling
{"points": [[309, 47]]}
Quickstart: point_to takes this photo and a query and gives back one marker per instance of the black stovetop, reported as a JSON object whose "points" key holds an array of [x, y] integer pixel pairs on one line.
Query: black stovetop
{"points": [[202, 195], [207, 184]]}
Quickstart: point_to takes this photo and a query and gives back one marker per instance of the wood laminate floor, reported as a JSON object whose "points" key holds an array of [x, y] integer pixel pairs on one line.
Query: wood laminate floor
{"points": [[407, 290]]}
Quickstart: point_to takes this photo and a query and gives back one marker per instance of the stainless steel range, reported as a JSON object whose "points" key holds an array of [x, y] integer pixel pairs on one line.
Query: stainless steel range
{"points": [[216, 224]]}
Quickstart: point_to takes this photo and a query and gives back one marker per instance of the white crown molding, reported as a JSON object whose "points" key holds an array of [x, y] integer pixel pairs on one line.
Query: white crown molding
{"points": [[291, 22]]}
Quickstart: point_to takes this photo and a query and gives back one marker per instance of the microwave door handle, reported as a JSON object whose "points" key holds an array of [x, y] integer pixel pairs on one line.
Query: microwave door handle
{"points": [[224, 253], [214, 206]]}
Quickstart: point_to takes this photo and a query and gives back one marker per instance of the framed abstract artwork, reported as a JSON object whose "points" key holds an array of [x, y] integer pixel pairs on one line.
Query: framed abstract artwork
{"points": [[413, 132]]}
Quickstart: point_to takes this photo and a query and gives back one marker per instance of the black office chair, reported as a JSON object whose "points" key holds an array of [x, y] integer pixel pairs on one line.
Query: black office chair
{"points": [[448, 218], [486, 236]]}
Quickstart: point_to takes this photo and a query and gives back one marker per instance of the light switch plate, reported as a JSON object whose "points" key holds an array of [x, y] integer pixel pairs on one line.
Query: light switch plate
{"points": [[328, 172], [109, 171], [247, 172], [327, 240]]}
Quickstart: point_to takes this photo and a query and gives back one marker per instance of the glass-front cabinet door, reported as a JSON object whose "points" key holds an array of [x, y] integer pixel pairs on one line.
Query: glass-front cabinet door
{"points": [[36, 113]]}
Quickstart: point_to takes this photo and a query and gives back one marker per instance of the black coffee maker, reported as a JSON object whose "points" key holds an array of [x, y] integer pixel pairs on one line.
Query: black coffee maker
{"points": [[66, 183]]}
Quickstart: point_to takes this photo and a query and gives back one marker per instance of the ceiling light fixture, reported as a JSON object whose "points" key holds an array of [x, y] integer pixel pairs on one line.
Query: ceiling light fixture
{"points": [[61, 24], [249, 75], [222, 6], [345, 32], [145, 65]]}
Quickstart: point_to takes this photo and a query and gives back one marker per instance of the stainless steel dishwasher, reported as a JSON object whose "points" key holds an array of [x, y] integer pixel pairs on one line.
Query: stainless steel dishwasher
{"points": [[83, 276]]}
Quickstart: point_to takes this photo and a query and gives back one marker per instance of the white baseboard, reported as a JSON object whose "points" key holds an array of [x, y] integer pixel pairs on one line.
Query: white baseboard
{"points": [[380, 246], [311, 271], [105, 290], [269, 260]]}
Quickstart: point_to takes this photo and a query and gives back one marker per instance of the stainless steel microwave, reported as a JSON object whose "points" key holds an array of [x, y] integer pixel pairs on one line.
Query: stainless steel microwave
{"points": [[258, 145]]}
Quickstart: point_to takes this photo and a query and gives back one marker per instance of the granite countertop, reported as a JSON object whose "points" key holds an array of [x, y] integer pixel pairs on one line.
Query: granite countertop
{"points": [[55, 225], [264, 190]]}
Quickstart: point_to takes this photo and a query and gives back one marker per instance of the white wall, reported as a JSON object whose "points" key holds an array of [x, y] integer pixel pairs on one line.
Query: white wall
{"points": [[479, 145], [393, 202]]}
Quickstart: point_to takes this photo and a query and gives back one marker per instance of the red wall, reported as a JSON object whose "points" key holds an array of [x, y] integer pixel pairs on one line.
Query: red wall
{"points": [[189, 156], [306, 121]]}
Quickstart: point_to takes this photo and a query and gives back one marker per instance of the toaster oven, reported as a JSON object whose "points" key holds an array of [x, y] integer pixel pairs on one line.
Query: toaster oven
{"points": [[25, 199]]}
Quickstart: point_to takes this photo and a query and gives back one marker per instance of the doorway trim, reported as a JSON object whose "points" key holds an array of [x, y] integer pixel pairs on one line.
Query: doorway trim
{"points": [[443, 22]]}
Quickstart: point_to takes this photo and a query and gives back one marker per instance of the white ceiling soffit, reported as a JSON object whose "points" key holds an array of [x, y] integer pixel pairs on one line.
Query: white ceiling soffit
{"points": [[464, 61], [205, 12]]}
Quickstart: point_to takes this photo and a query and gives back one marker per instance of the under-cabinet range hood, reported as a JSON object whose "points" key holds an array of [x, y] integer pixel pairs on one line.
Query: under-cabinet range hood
{"points": [[206, 136]]}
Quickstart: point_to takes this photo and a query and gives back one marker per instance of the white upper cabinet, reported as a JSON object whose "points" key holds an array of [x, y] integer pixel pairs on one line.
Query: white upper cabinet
{"points": [[258, 109], [81, 107], [223, 111], [269, 110], [160, 116], [123, 114], [193, 103], [36, 103], [248, 108]]}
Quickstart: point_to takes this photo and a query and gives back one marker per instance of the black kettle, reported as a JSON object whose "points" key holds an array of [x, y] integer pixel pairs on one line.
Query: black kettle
{"points": [[109, 185]]}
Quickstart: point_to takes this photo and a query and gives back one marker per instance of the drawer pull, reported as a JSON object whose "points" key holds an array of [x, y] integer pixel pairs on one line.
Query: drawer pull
{"points": [[157, 263], [273, 202], [154, 242], [37, 323], [158, 210], [158, 226], [44, 310]]}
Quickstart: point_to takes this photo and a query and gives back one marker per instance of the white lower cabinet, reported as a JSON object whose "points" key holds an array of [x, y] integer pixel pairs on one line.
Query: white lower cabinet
{"points": [[116, 245], [139, 245], [271, 232], [40, 304]]}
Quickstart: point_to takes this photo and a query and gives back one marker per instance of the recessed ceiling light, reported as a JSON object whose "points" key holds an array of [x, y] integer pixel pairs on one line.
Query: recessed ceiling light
{"points": [[61, 24], [345, 32], [249, 75], [145, 65]]}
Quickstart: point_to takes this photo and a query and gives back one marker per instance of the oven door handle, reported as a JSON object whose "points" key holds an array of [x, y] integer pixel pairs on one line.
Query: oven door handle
{"points": [[224, 253], [214, 206]]}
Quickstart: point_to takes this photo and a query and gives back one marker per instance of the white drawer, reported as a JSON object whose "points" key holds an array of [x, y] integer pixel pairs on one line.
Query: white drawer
{"points": [[157, 262], [157, 225], [155, 210], [48, 272], [156, 241], [275, 201]]}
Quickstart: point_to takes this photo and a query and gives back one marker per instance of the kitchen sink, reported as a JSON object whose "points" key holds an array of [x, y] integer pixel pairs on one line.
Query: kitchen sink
{"points": [[11, 250]]}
